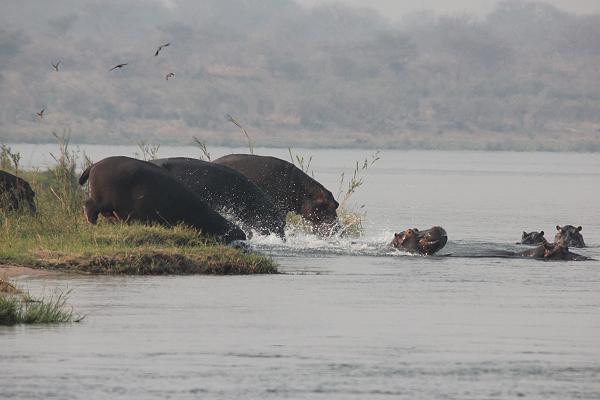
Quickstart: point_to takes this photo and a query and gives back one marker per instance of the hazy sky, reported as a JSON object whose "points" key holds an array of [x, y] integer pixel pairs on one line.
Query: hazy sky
{"points": [[397, 8]]}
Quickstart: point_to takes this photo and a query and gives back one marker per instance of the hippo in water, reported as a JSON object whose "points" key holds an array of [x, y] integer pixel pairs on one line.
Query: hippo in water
{"points": [[135, 190], [223, 188], [425, 242], [569, 236], [290, 188], [552, 251], [15, 193], [545, 251], [532, 238]]}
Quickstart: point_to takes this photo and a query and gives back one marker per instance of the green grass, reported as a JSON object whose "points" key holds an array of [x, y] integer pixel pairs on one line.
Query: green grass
{"points": [[18, 307], [59, 238]]}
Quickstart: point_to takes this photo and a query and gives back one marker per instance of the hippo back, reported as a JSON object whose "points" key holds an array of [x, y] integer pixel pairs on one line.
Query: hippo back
{"points": [[291, 189], [15, 193], [226, 189], [138, 190], [552, 251]]}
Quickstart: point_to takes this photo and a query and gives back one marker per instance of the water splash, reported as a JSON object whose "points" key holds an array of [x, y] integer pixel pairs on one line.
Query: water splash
{"points": [[304, 244]]}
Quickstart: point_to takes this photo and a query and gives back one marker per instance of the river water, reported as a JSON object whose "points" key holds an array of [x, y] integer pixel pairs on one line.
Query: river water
{"points": [[350, 319]]}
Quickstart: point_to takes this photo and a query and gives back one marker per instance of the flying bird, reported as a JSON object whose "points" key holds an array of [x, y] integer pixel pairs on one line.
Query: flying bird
{"points": [[118, 66], [41, 113], [169, 75], [55, 66], [160, 48]]}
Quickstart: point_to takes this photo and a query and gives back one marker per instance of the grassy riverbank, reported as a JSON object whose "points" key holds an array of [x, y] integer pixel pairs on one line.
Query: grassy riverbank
{"points": [[69, 244], [59, 238], [18, 307]]}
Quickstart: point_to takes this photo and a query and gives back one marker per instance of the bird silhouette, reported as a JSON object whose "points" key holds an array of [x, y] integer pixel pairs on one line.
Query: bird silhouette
{"points": [[160, 48], [118, 66], [41, 113], [55, 66], [169, 75]]}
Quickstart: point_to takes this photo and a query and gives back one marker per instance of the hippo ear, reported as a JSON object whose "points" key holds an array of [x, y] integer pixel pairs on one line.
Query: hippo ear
{"points": [[397, 235], [541, 233], [579, 228], [524, 234], [558, 228]]}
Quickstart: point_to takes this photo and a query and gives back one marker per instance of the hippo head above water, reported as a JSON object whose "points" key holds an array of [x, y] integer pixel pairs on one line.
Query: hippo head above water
{"points": [[569, 236], [421, 242], [532, 238]]}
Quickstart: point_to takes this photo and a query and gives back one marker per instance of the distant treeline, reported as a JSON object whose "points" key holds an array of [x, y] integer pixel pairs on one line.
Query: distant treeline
{"points": [[526, 76]]}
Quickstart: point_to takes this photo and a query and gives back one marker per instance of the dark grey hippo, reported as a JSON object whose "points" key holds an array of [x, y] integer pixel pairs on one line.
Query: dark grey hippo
{"points": [[424, 242], [545, 251], [532, 238], [223, 188], [15, 193], [290, 188], [569, 236], [135, 190], [552, 251]]}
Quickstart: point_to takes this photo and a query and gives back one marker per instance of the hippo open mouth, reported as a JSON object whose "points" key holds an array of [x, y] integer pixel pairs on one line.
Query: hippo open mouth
{"points": [[431, 246], [425, 242]]}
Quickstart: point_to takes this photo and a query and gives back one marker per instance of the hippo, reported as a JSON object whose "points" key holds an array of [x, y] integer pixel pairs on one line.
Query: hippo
{"points": [[544, 251], [291, 189], [569, 236], [135, 190], [223, 188], [15, 193], [533, 238], [425, 242], [552, 251]]}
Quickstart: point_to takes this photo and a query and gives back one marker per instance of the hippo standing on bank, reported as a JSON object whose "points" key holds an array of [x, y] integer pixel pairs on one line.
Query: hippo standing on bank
{"points": [[224, 188], [135, 190], [15, 193], [290, 188], [569, 236], [425, 242], [532, 238]]}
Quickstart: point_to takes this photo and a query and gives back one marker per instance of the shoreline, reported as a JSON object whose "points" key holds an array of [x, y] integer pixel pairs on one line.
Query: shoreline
{"points": [[15, 271]]}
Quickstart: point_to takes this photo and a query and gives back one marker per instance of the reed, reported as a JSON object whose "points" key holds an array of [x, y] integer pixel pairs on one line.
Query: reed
{"points": [[251, 142], [204, 154], [350, 217], [19, 307], [147, 151]]}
